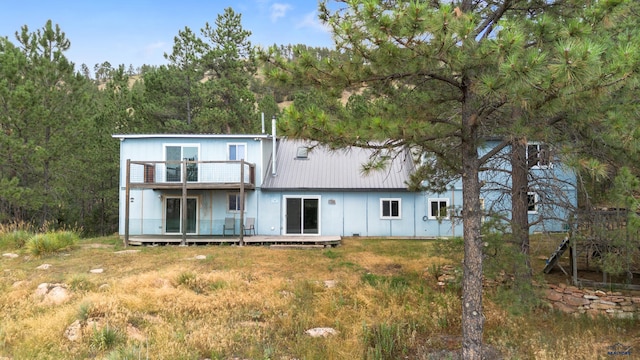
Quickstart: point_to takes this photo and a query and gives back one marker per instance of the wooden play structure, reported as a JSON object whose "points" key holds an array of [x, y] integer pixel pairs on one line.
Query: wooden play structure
{"points": [[601, 241]]}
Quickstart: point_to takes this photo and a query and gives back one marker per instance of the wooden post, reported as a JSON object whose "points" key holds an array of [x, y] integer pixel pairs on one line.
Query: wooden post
{"points": [[183, 205], [574, 261], [127, 194], [241, 202]]}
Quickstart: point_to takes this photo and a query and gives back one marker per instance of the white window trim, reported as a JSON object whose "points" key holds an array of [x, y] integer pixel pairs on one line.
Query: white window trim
{"points": [[391, 217], [301, 197], [536, 200], [182, 146], [229, 145], [238, 195], [438, 200]]}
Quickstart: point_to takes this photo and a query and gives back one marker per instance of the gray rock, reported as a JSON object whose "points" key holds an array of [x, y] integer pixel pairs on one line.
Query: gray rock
{"points": [[321, 332], [74, 331]]}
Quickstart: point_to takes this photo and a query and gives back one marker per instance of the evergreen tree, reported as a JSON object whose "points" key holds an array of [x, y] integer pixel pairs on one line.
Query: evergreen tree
{"points": [[43, 118], [439, 77], [186, 60], [230, 64]]}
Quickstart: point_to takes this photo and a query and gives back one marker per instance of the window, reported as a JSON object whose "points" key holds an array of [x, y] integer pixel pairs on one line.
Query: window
{"points": [[390, 208], [438, 209], [532, 203], [233, 202], [237, 151], [538, 156], [302, 152], [174, 155]]}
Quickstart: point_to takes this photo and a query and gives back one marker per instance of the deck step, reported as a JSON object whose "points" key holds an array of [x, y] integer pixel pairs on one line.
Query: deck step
{"points": [[297, 246]]}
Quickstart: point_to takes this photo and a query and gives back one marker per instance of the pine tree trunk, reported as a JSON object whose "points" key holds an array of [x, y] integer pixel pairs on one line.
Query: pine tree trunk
{"points": [[520, 206], [472, 314]]}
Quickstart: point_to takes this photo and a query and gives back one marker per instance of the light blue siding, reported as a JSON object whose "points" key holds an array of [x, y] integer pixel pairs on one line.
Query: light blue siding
{"points": [[344, 212]]}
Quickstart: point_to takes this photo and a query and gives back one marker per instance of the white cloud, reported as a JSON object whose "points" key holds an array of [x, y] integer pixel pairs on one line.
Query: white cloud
{"points": [[310, 20], [150, 48], [279, 10]]}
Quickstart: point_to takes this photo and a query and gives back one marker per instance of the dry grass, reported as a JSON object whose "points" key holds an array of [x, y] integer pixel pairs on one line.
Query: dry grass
{"points": [[257, 303]]}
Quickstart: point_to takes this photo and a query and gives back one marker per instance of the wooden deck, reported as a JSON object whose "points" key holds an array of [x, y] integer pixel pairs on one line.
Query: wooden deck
{"points": [[276, 241]]}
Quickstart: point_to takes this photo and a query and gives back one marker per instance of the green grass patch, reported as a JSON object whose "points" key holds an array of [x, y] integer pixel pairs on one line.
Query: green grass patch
{"points": [[14, 239], [51, 242], [105, 338]]}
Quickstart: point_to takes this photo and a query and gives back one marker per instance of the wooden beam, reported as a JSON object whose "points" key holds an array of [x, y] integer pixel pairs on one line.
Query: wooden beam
{"points": [[127, 193], [241, 202], [183, 205]]}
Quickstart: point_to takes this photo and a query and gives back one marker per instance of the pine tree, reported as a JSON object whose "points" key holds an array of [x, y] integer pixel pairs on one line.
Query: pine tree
{"points": [[230, 65], [439, 77]]}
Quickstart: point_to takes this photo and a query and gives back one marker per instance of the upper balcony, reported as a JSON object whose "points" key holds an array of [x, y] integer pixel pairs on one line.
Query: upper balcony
{"points": [[206, 175]]}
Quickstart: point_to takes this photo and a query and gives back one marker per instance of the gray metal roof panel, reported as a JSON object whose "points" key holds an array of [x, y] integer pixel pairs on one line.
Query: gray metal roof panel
{"points": [[333, 169]]}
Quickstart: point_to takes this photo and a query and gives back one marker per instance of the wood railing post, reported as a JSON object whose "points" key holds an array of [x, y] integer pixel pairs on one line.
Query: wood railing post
{"points": [[241, 202], [127, 193], [183, 205]]}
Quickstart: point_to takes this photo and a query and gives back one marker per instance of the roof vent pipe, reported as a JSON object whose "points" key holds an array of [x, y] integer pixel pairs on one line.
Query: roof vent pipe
{"points": [[273, 132], [262, 117]]}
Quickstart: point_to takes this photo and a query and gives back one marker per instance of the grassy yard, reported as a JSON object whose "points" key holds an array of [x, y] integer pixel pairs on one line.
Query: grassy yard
{"points": [[223, 302]]}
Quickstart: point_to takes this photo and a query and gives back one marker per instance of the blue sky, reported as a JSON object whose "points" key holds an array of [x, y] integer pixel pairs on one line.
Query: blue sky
{"points": [[139, 32]]}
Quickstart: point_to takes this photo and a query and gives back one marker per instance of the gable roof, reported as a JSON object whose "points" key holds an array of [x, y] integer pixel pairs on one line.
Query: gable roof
{"points": [[326, 169]]}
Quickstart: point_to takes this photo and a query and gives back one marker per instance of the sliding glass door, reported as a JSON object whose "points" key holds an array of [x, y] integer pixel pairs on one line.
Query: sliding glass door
{"points": [[174, 154], [173, 216], [302, 215]]}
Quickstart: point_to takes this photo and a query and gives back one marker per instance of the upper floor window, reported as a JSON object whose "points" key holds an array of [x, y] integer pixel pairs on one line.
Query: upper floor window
{"points": [[539, 156], [532, 202], [237, 152], [174, 155], [438, 208], [390, 208]]}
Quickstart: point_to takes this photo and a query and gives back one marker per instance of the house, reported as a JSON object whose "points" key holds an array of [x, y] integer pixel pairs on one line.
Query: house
{"points": [[282, 187]]}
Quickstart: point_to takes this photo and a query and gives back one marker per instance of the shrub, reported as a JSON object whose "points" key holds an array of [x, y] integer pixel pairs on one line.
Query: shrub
{"points": [[14, 240], [105, 338], [51, 242]]}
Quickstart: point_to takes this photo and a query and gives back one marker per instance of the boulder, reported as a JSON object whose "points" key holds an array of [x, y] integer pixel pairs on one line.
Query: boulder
{"points": [[74, 331], [57, 295]]}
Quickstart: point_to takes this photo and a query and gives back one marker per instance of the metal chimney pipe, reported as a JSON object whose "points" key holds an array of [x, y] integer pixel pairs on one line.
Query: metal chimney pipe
{"points": [[273, 133]]}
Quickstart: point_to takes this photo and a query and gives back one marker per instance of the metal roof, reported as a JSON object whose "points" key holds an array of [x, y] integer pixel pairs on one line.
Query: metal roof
{"points": [[328, 169], [191, 136]]}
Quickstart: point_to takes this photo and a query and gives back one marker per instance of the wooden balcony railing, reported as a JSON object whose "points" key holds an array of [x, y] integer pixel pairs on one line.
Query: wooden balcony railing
{"points": [[196, 174], [187, 175]]}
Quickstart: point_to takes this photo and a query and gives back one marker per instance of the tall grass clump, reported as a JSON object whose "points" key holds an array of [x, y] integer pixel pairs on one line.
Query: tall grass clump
{"points": [[15, 235], [106, 338], [51, 242], [385, 341]]}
